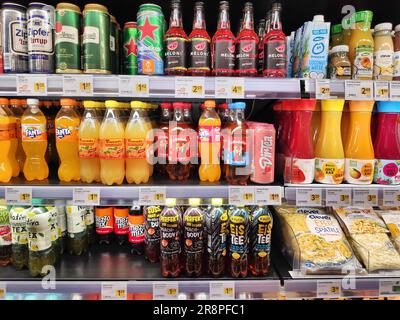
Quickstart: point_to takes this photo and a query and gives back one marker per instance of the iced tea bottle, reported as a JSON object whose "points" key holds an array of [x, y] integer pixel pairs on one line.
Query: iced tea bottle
{"points": [[121, 225], [5, 236], [77, 242], [246, 45], [136, 230], [55, 238], [223, 44], [104, 217], [152, 233], [20, 253], [161, 139]]}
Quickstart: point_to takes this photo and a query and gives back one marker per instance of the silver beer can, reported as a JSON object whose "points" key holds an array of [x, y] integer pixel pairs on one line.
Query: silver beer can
{"points": [[41, 37], [14, 38]]}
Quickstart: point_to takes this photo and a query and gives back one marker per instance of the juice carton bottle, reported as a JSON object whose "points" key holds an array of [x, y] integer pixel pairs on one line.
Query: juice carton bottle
{"points": [[387, 144], [16, 107], [67, 126], [8, 143], [138, 167], [34, 142], [359, 151], [329, 153], [112, 146]]}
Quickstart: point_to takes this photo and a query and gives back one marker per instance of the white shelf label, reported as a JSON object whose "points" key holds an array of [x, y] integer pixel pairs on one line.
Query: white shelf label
{"points": [[309, 197], [381, 90], [395, 90], [338, 197], [86, 196], [134, 86], [31, 85], [18, 196], [322, 89], [152, 196], [389, 288], [391, 197], [189, 87], [167, 290], [3, 290], [114, 291], [359, 90], [81, 85], [268, 196], [241, 196], [331, 289], [222, 290], [365, 197], [229, 88]]}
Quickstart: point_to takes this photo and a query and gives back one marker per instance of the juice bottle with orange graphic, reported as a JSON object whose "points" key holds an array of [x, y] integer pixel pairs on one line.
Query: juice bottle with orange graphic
{"points": [[34, 142], [112, 146], [209, 143], [359, 150], [6, 135], [67, 124], [138, 168], [16, 107]]}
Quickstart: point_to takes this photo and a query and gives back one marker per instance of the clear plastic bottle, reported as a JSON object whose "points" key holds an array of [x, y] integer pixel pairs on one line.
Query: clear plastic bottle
{"points": [[20, 252], [77, 235]]}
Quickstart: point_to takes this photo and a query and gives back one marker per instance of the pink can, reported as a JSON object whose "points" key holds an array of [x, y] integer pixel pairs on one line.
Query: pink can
{"points": [[263, 152]]}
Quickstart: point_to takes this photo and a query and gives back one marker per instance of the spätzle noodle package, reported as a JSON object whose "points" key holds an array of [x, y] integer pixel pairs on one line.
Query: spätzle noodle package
{"points": [[392, 220], [313, 241]]}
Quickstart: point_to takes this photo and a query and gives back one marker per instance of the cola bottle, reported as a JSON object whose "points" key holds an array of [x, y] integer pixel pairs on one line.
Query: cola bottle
{"points": [[260, 240], [161, 140], [246, 45], [121, 226], [152, 233], [136, 230]]}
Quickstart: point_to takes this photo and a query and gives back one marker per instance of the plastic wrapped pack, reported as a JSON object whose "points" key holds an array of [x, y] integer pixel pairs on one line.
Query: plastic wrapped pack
{"points": [[392, 221]]}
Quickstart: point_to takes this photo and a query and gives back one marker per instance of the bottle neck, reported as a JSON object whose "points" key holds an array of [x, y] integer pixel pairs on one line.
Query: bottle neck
{"points": [[237, 115], [223, 21], [199, 21], [248, 20], [275, 23], [112, 113], [175, 21], [165, 115], [178, 115]]}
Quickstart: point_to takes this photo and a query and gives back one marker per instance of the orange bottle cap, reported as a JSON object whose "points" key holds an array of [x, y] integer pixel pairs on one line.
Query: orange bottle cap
{"points": [[45, 103], [4, 101], [209, 104], [361, 106], [68, 102], [17, 102]]}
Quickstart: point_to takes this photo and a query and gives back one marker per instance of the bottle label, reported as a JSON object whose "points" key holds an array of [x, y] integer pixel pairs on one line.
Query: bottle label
{"points": [[112, 43], [239, 232], [76, 219], [40, 36], [5, 229], [363, 62], [34, 132], [39, 236], [224, 55], [330, 171], [261, 226], [18, 217], [217, 231], [200, 53], [299, 170], [359, 171], [396, 63], [152, 226], [62, 219], [136, 229], [8, 131], [89, 216], [175, 53], [179, 148], [135, 148], [170, 234], [237, 151], [275, 55], [246, 55], [104, 221], [88, 148], [338, 72], [383, 64], [329, 232], [66, 34], [387, 171], [209, 134], [66, 133], [91, 35], [19, 37], [111, 149], [162, 145], [53, 223], [193, 233], [121, 226]]}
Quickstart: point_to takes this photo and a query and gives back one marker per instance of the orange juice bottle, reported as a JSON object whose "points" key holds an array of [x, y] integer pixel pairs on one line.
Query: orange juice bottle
{"points": [[329, 154], [16, 107], [7, 134], [67, 124], [138, 167], [34, 142], [88, 143], [359, 151], [209, 143], [112, 145]]}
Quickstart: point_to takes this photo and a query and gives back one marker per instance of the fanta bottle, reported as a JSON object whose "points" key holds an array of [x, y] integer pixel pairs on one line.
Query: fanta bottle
{"points": [[16, 107], [88, 143], [209, 143], [34, 142], [138, 167], [12, 128], [112, 146], [7, 134], [67, 126]]}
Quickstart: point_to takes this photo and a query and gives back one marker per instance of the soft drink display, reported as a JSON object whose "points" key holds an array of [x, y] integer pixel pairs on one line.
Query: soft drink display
{"points": [[121, 225], [104, 217], [152, 232], [19, 255], [136, 230], [5, 236]]}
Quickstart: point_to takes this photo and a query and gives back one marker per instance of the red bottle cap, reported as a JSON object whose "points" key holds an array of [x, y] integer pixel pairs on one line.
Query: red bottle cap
{"points": [[166, 105], [179, 105], [300, 104]]}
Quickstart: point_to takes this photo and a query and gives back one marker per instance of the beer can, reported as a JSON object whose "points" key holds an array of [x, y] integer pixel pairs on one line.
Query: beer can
{"points": [[67, 38], [96, 39], [115, 30], [150, 24], [41, 23], [14, 38], [130, 34]]}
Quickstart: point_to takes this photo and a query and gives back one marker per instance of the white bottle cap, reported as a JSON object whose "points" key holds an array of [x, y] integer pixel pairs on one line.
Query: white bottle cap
{"points": [[341, 48], [383, 26], [31, 102], [319, 18], [397, 28]]}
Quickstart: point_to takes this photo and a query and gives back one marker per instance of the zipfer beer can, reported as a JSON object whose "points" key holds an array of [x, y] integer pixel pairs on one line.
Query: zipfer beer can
{"points": [[67, 43], [14, 38], [96, 39], [130, 34], [115, 33], [40, 37]]}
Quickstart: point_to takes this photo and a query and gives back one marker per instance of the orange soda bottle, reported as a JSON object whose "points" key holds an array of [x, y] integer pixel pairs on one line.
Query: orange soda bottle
{"points": [[16, 107], [7, 137]]}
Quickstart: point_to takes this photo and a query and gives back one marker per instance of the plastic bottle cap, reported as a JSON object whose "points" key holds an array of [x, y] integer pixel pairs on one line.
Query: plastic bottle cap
{"points": [[166, 105], [397, 28], [170, 202], [217, 202], [341, 48], [209, 104], [364, 16], [138, 104], [90, 104], [389, 106], [319, 18], [194, 202], [112, 104], [237, 105], [383, 26], [30, 102], [179, 105], [337, 28], [4, 101], [223, 106], [68, 102]]}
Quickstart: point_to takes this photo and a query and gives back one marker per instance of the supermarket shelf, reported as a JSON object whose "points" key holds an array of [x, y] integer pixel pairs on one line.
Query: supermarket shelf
{"points": [[337, 88]]}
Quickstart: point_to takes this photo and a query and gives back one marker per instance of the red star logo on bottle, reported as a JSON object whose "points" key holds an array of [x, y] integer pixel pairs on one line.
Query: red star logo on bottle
{"points": [[148, 29], [131, 48]]}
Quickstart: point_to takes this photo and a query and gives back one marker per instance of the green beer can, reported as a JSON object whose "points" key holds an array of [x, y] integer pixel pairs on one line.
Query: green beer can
{"points": [[96, 39], [130, 34], [115, 30], [67, 38]]}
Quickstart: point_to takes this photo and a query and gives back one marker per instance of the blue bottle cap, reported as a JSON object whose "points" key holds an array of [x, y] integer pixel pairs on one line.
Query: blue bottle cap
{"points": [[237, 105], [389, 106]]}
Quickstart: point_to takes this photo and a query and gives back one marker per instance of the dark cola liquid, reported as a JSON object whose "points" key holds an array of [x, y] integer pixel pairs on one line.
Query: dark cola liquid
{"points": [[152, 233]]}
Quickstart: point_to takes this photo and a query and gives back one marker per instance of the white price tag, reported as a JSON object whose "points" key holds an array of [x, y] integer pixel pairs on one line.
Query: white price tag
{"points": [[3, 290], [365, 197], [86, 196], [381, 90], [114, 291], [241, 196], [391, 197], [338, 197], [309, 197], [167, 290], [330, 289], [134, 86], [268, 196], [74, 85], [359, 90], [32, 85], [189, 87], [394, 90], [222, 290], [18, 196], [322, 89], [229, 88], [389, 288], [152, 196]]}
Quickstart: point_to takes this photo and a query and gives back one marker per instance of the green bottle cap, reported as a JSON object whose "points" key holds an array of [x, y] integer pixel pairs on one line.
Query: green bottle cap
{"points": [[337, 28], [364, 16]]}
